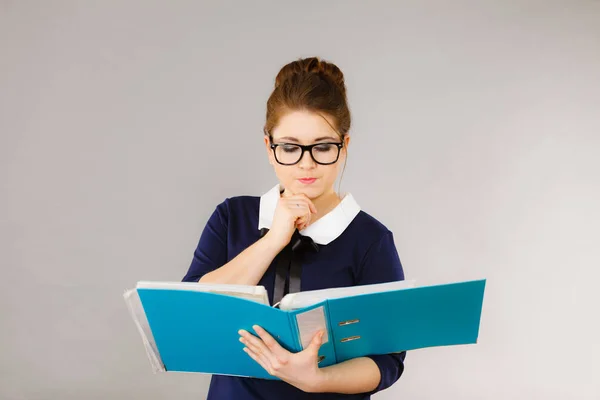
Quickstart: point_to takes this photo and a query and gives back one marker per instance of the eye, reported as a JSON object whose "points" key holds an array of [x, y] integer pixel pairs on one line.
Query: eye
{"points": [[324, 148], [288, 148]]}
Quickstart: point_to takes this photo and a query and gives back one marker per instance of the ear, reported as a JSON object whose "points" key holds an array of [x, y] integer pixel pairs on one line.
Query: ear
{"points": [[346, 140], [268, 148]]}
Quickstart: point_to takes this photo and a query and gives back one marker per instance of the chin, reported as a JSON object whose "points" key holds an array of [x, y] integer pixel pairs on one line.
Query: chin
{"points": [[312, 192]]}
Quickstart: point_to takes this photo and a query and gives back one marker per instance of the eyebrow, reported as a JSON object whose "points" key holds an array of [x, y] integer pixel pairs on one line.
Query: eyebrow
{"points": [[319, 139]]}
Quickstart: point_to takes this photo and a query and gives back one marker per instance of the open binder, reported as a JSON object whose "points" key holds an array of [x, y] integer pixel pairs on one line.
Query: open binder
{"points": [[193, 327]]}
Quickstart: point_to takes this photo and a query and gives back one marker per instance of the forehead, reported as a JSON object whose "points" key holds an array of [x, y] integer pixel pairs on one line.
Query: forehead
{"points": [[305, 126]]}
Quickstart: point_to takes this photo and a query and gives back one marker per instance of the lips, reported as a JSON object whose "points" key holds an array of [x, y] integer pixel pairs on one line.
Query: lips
{"points": [[307, 181]]}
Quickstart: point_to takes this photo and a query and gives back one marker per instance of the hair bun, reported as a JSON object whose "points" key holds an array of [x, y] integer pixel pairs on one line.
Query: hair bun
{"points": [[312, 65], [309, 84]]}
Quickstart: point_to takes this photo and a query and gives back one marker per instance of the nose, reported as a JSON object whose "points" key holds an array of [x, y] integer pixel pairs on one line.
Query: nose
{"points": [[306, 162]]}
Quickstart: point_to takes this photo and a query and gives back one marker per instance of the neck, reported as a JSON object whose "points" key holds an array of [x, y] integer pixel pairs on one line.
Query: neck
{"points": [[324, 204]]}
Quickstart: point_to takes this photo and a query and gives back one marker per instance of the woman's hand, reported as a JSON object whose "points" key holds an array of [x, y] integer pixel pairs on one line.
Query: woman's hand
{"points": [[292, 212], [298, 369]]}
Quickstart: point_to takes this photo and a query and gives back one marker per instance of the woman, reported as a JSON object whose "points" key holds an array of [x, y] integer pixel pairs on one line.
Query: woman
{"points": [[300, 235]]}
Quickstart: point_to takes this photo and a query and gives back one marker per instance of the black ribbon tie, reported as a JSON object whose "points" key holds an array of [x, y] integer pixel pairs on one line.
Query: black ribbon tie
{"points": [[288, 270]]}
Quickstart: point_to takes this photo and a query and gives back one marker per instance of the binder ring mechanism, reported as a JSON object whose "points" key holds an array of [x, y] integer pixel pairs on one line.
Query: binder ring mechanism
{"points": [[349, 322]]}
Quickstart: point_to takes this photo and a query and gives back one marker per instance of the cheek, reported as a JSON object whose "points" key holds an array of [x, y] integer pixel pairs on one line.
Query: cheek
{"points": [[329, 172], [285, 174]]}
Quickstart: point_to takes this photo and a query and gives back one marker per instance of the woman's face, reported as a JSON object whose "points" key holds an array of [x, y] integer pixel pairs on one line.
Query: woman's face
{"points": [[306, 177]]}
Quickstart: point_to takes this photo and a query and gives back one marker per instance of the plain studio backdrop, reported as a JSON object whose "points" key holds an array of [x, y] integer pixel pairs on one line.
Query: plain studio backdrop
{"points": [[476, 138]]}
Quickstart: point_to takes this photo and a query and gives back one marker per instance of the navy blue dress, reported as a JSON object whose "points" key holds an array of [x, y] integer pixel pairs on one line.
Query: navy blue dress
{"points": [[361, 251]]}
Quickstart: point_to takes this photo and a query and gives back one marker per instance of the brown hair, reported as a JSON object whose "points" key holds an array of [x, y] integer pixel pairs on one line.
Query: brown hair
{"points": [[309, 84]]}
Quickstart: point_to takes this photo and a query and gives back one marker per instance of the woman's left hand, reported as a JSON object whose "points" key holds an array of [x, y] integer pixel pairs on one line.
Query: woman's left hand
{"points": [[298, 369]]}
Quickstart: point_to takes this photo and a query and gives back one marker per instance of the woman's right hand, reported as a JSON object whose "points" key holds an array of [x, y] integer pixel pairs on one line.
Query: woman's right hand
{"points": [[292, 212]]}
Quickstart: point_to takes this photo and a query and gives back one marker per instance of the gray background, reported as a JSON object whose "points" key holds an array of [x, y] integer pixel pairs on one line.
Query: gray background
{"points": [[475, 140]]}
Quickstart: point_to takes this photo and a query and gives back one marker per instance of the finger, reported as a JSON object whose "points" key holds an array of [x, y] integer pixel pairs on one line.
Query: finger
{"points": [[317, 340], [301, 197], [311, 205], [278, 357], [260, 354], [302, 225], [253, 342], [258, 346], [315, 344], [287, 193], [303, 219], [302, 222], [270, 342], [260, 360], [301, 213], [298, 203], [307, 220]]}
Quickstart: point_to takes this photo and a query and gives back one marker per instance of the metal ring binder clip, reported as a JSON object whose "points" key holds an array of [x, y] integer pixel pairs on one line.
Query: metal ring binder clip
{"points": [[352, 321], [350, 338], [321, 358]]}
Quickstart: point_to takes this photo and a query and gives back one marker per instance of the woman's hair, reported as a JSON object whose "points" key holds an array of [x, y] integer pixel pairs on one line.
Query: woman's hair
{"points": [[313, 85]]}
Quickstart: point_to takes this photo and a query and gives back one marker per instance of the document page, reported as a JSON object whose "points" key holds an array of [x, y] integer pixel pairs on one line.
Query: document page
{"points": [[294, 301], [254, 293]]}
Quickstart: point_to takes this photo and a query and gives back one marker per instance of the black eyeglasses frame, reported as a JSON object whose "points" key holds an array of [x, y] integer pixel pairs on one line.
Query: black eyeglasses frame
{"points": [[304, 148]]}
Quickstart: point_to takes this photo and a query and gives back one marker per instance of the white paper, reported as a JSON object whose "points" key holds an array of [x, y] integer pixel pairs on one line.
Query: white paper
{"points": [[141, 322], [295, 301], [254, 293]]}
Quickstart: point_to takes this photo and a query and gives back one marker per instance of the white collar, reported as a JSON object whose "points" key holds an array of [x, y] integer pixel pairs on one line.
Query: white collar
{"points": [[324, 230]]}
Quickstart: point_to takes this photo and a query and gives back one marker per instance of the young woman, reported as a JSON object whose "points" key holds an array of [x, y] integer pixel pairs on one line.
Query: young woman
{"points": [[300, 235]]}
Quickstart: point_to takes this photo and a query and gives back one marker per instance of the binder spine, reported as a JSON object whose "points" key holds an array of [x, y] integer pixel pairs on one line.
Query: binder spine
{"points": [[331, 333]]}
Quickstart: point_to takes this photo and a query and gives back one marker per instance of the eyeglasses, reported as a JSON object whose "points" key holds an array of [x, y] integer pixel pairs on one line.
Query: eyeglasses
{"points": [[321, 153]]}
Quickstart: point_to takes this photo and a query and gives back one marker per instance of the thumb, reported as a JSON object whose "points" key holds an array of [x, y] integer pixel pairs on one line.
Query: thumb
{"points": [[317, 341], [287, 193]]}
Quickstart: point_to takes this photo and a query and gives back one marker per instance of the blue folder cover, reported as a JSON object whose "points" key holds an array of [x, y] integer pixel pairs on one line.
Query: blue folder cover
{"points": [[198, 331]]}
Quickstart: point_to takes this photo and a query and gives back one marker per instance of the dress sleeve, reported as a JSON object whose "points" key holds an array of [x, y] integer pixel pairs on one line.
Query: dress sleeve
{"points": [[211, 251], [382, 264]]}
